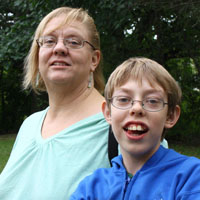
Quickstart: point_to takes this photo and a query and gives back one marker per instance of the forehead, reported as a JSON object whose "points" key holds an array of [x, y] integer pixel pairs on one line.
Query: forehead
{"points": [[140, 85], [61, 24]]}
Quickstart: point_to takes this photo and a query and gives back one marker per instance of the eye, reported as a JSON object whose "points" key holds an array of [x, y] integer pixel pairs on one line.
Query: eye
{"points": [[49, 40], [152, 101], [123, 99], [73, 42]]}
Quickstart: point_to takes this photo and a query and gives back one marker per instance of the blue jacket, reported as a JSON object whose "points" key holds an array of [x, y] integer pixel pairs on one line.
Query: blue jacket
{"points": [[167, 175]]}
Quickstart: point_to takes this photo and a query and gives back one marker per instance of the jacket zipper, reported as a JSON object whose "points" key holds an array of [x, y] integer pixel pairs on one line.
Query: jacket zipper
{"points": [[128, 179]]}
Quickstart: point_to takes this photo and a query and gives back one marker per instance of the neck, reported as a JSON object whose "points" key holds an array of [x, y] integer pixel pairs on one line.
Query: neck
{"points": [[60, 97], [81, 100], [133, 163], [68, 108]]}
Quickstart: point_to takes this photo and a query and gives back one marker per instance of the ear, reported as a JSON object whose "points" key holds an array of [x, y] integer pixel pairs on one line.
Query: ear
{"points": [[95, 59], [173, 117], [106, 112]]}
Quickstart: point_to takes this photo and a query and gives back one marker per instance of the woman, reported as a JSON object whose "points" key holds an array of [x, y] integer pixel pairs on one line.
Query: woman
{"points": [[59, 146]]}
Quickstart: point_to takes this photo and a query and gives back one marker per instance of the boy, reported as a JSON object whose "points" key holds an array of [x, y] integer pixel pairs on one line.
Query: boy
{"points": [[142, 101]]}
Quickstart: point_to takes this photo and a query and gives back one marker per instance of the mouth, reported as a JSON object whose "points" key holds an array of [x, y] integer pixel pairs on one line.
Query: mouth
{"points": [[60, 64], [135, 131]]}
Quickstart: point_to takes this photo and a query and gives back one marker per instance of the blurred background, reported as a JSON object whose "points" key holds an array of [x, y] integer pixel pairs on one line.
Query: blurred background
{"points": [[163, 30]]}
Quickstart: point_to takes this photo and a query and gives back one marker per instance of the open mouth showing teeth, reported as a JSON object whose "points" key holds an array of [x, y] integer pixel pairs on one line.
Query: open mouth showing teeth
{"points": [[60, 64], [136, 129]]}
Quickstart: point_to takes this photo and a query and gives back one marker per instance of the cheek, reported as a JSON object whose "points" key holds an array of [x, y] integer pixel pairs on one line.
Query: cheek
{"points": [[43, 55], [117, 118], [83, 59], [117, 126], [158, 121]]}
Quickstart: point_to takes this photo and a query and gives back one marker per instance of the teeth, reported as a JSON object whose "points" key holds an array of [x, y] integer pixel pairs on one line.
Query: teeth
{"points": [[132, 128], [135, 128], [139, 128], [58, 63]]}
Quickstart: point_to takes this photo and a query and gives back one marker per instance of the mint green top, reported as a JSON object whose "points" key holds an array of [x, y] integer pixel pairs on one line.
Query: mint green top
{"points": [[50, 169]]}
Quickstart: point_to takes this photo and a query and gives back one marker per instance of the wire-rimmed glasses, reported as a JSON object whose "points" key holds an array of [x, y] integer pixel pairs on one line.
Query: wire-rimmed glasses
{"points": [[148, 104], [69, 42]]}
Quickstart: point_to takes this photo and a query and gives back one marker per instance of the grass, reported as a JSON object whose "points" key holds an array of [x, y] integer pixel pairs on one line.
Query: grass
{"points": [[6, 144], [189, 150], [7, 141]]}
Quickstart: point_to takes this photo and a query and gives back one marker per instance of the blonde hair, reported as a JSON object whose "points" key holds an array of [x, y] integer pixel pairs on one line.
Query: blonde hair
{"points": [[31, 71], [137, 68]]}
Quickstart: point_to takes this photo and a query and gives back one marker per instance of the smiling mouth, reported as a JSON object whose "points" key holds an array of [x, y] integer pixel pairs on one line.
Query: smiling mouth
{"points": [[136, 129], [60, 64]]}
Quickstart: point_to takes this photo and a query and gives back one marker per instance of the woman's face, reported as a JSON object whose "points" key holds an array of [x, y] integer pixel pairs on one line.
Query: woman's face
{"points": [[62, 66]]}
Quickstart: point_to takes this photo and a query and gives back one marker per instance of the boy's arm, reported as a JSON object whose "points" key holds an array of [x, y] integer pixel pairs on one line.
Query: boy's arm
{"points": [[80, 192], [94, 186], [86, 188]]}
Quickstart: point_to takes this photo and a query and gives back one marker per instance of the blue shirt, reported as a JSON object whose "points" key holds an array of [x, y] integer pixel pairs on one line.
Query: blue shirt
{"points": [[167, 175]]}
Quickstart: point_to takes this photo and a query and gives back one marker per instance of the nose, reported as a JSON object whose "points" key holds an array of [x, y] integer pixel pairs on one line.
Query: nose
{"points": [[136, 108], [60, 48]]}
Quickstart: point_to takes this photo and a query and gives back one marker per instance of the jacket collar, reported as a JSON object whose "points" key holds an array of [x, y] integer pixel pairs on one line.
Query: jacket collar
{"points": [[160, 154]]}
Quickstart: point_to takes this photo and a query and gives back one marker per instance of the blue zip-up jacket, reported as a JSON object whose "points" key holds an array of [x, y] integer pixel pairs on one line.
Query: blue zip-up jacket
{"points": [[167, 175]]}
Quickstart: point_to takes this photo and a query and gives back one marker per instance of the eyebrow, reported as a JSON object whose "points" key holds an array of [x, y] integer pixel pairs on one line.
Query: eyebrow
{"points": [[146, 92], [154, 91]]}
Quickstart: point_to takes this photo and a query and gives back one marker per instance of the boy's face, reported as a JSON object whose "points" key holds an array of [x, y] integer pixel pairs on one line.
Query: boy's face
{"points": [[139, 131]]}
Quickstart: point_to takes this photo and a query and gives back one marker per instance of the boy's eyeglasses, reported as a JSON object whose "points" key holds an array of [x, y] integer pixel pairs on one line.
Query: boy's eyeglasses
{"points": [[148, 104], [71, 43]]}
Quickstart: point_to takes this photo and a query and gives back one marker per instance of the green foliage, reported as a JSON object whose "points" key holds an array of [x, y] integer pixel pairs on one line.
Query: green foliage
{"points": [[183, 69], [166, 31], [185, 149], [6, 144]]}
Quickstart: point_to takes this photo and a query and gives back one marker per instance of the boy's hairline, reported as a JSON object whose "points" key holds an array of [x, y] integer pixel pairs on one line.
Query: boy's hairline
{"points": [[149, 70]]}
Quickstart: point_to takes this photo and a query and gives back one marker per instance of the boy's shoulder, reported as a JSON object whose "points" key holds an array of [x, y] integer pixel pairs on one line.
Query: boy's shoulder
{"points": [[169, 160], [173, 155], [101, 182], [105, 173]]}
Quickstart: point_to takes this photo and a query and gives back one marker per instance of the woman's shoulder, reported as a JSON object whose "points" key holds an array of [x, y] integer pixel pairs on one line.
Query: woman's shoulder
{"points": [[35, 116], [95, 116]]}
